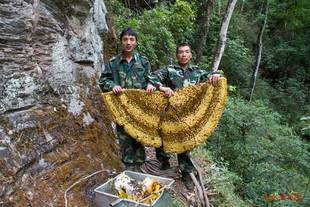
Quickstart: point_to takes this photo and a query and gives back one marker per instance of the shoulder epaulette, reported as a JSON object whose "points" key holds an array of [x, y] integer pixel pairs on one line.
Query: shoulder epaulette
{"points": [[144, 59], [116, 58], [113, 58], [195, 67]]}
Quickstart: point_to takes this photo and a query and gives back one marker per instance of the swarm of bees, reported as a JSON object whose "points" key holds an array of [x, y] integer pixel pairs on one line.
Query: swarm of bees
{"points": [[146, 191]]}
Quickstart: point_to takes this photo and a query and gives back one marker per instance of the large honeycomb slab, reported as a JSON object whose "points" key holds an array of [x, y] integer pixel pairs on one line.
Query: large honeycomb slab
{"points": [[179, 123]]}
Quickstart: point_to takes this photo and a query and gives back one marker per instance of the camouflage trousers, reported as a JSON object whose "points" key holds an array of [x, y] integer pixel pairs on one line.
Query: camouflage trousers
{"points": [[132, 151], [184, 161]]}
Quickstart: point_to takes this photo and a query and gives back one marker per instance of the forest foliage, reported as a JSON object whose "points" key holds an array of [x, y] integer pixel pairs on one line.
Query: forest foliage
{"points": [[262, 145]]}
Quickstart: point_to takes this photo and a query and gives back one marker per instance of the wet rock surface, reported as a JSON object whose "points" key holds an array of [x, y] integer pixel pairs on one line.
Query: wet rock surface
{"points": [[54, 129]]}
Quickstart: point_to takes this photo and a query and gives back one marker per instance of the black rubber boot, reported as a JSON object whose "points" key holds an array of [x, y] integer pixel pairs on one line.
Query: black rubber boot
{"points": [[164, 165], [133, 167], [188, 182]]}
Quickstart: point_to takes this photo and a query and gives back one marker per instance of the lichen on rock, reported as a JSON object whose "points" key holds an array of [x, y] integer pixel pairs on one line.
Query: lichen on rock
{"points": [[54, 128]]}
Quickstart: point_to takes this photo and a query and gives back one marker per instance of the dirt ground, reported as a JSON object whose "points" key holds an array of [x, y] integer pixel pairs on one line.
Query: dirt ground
{"points": [[178, 190]]}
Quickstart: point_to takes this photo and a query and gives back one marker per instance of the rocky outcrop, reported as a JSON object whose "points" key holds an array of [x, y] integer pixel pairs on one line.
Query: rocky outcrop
{"points": [[53, 126]]}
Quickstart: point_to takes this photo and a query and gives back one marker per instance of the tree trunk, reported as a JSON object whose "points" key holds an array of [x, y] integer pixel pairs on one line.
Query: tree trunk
{"points": [[140, 5], [218, 53], [201, 40], [54, 129], [110, 38], [219, 4], [242, 6], [259, 47]]}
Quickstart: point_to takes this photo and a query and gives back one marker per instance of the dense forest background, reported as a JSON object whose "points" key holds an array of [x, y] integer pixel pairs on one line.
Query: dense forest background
{"points": [[259, 154]]}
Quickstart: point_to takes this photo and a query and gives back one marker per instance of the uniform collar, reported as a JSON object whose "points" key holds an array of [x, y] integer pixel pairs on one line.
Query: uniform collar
{"points": [[189, 67], [135, 57]]}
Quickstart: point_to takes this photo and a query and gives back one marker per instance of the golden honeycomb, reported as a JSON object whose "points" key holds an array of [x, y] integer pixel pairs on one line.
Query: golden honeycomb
{"points": [[179, 123]]}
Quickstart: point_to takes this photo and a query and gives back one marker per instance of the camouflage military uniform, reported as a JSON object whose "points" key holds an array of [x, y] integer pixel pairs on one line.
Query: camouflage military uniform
{"points": [[175, 77], [128, 75]]}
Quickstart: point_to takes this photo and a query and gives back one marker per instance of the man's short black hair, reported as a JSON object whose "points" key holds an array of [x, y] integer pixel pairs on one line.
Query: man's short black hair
{"points": [[183, 44], [128, 31]]}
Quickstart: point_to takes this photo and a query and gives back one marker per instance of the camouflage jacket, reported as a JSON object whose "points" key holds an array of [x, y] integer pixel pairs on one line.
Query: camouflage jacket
{"points": [[128, 75], [175, 77]]}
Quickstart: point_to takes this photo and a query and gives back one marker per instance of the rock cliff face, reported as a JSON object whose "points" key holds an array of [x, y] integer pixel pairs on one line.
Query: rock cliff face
{"points": [[53, 126]]}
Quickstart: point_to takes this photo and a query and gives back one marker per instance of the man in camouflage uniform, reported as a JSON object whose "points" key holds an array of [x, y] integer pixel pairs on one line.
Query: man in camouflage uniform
{"points": [[178, 76], [127, 70]]}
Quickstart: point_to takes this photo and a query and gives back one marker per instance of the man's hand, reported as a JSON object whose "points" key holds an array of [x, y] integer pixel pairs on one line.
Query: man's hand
{"points": [[168, 91], [117, 89], [150, 88], [214, 79]]}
